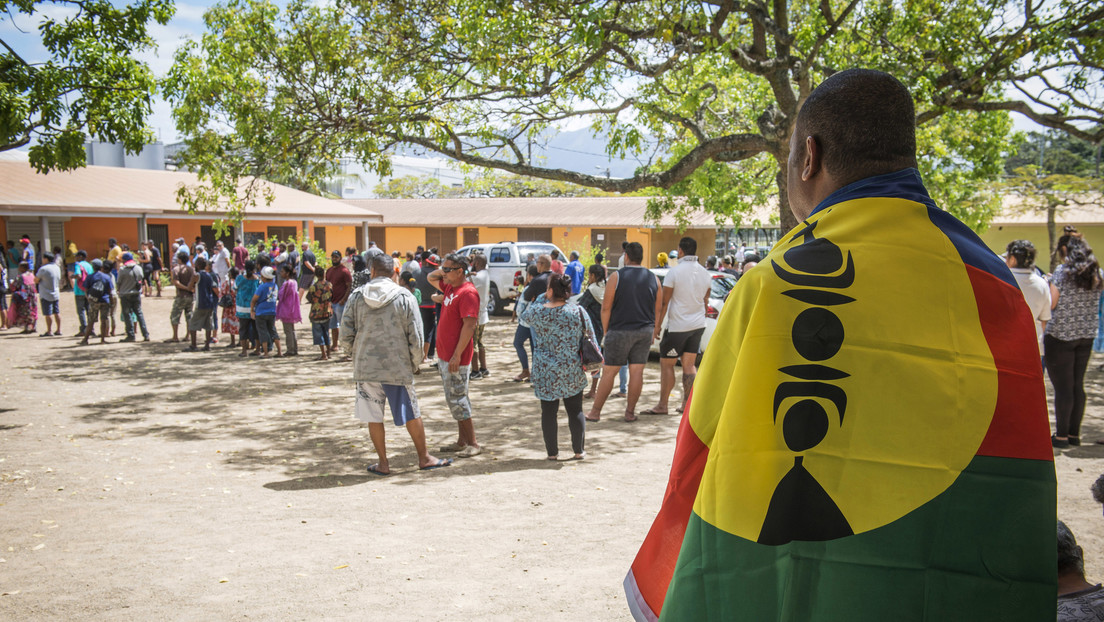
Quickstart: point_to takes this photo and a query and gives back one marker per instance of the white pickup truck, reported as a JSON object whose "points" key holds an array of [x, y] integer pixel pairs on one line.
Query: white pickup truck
{"points": [[506, 262]]}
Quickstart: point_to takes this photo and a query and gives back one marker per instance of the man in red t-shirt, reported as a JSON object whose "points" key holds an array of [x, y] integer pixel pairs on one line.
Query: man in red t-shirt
{"points": [[455, 329], [342, 283], [240, 254]]}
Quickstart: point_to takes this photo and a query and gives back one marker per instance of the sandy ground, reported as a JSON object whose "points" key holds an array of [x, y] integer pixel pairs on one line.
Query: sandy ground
{"points": [[138, 482]]}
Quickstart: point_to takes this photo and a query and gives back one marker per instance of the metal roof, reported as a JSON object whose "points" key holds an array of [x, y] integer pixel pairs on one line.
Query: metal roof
{"points": [[125, 192]]}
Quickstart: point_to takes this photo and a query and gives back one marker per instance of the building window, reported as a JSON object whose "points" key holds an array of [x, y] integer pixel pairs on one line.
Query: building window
{"points": [[534, 234], [282, 234]]}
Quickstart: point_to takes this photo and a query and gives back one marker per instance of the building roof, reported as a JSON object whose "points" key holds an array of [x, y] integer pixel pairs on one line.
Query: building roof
{"points": [[1087, 209], [613, 212], [124, 192]]}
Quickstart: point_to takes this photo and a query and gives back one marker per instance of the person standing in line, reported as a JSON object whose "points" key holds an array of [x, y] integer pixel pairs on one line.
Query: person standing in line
{"points": [[481, 279], [319, 295], [82, 270], [99, 287], [1067, 345], [591, 302], [130, 299], [221, 261], [523, 333], [428, 309], [182, 276], [1020, 257], [459, 316], [263, 312], [156, 265], [411, 263], [114, 252], [240, 254], [575, 270], [1078, 600], [144, 260], [558, 326], [48, 281], [630, 310], [342, 281], [685, 298], [287, 309], [23, 310], [28, 254], [228, 298], [557, 264], [205, 285], [246, 285], [306, 268], [382, 329]]}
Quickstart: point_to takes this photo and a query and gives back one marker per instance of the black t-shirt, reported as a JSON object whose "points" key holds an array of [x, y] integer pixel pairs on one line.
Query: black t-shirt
{"points": [[537, 286], [155, 258], [308, 257], [421, 280]]}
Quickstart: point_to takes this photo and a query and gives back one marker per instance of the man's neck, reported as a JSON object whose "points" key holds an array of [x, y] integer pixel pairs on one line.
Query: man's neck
{"points": [[1070, 583]]}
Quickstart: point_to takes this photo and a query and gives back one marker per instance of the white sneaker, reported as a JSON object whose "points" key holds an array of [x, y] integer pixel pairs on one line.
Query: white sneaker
{"points": [[470, 451]]}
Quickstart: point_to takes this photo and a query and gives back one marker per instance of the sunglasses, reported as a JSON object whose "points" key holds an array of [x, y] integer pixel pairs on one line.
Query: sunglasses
{"points": [[447, 269]]}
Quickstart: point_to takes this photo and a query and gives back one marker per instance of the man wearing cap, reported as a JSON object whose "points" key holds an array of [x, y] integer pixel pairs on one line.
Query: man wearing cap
{"points": [[130, 298], [342, 282], [48, 280], [428, 309], [28, 251]]}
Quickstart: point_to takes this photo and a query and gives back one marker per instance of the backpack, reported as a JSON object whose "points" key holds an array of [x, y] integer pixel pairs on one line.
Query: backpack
{"points": [[98, 288], [82, 276]]}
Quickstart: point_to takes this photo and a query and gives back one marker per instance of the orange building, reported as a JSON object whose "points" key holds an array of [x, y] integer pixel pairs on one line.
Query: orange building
{"points": [[89, 205]]}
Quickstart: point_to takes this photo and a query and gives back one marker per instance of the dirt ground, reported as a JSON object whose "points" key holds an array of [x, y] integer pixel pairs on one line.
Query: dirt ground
{"points": [[139, 482]]}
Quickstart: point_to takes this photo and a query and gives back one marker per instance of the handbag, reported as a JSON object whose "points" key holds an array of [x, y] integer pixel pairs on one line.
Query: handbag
{"points": [[590, 354]]}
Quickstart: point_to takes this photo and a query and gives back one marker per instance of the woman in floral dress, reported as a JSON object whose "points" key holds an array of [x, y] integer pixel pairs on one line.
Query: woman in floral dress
{"points": [[228, 290], [23, 310], [558, 326]]}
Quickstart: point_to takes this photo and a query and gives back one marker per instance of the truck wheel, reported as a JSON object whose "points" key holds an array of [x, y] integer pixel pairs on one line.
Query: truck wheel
{"points": [[495, 304]]}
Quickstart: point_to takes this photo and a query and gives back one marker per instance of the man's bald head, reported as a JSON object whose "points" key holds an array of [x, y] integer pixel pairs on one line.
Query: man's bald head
{"points": [[544, 263], [864, 122]]}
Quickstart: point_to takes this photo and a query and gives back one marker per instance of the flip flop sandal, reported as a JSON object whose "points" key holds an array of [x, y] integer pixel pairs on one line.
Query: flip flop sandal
{"points": [[440, 463], [374, 469], [651, 411]]}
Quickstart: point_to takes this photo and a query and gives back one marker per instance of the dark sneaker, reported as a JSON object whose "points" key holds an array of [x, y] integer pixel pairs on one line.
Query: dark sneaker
{"points": [[475, 375], [484, 373], [129, 339]]}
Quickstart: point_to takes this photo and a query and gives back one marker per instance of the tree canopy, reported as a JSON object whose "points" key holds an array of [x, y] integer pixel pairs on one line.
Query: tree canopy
{"points": [[715, 84], [91, 86]]}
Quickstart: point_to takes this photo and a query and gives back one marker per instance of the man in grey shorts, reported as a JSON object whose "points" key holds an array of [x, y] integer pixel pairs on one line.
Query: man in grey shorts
{"points": [[629, 311]]}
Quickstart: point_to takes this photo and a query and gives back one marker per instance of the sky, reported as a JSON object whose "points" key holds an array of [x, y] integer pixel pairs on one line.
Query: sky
{"points": [[20, 33]]}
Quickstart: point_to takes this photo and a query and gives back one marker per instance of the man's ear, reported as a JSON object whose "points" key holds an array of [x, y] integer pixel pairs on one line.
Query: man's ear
{"points": [[811, 163]]}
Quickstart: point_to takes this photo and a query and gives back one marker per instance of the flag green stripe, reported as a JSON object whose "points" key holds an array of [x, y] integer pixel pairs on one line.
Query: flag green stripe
{"points": [[972, 553]]}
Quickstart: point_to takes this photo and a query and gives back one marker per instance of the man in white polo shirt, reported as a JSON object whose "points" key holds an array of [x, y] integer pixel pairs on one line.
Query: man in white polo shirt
{"points": [[685, 297]]}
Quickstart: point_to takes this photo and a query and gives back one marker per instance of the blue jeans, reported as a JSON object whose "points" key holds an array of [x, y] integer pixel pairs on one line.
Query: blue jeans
{"points": [[132, 304], [521, 335], [623, 377], [82, 311]]}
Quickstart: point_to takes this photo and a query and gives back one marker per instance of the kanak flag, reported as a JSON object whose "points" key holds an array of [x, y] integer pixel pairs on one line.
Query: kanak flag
{"points": [[868, 434]]}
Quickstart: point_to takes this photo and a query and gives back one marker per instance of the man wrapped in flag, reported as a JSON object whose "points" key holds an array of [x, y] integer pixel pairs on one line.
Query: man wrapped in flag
{"points": [[868, 436]]}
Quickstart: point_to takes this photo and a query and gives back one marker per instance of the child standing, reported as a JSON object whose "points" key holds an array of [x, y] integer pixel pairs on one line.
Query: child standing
{"points": [[263, 312], [319, 296]]}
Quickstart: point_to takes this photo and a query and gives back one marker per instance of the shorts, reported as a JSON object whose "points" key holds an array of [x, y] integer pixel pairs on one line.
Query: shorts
{"points": [[371, 396], [49, 307], [335, 319], [627, 347], [456, 390], [200, 320], [181, 305], [320, 332], [479, 336], [673, 345], [247, 329], [99, 312]]}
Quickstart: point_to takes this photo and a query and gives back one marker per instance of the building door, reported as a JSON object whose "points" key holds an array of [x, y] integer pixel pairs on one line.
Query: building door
{"points": [[210, 236], [471, 236], [359, 233], [379, 236], [609, 239], [534, 234], [160, 236], [320, 237], [443, 238]]}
